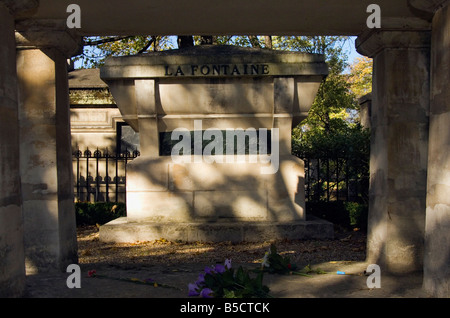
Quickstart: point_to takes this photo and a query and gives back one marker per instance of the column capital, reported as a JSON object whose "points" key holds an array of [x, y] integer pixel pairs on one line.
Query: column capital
{"points": [[427, 7], [17, 7], [372, 42], [48, 34]]}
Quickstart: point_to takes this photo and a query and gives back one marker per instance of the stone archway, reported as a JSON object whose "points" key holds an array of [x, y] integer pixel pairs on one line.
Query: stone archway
{"points": [[406, 30]]}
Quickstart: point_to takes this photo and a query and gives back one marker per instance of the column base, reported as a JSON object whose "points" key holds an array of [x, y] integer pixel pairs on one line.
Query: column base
{"points": [[122, 230]]}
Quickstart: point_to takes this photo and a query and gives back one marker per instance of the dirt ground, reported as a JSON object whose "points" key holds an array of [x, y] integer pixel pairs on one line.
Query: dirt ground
{"points": [[120, 269], [347, 246]]}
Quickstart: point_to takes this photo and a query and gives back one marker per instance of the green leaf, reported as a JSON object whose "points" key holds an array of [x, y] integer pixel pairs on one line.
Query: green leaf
{"points": [[240, 275], [229, 294]]}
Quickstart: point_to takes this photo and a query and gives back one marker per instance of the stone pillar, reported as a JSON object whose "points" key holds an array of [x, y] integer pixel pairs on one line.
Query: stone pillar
{"points": [[12, 269], [437, 229], [399, 147], [46, 162]]}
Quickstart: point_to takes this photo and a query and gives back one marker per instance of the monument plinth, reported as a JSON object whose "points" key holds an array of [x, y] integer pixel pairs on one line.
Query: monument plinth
{"points": [[215, 139]]}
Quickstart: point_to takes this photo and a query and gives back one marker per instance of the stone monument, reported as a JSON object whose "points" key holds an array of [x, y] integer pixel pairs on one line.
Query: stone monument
{"points": [[215, 138]]}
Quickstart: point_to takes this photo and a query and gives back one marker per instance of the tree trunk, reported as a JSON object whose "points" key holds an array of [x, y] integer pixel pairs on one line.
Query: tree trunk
{"points": [[185, 41], [268, 41], [254, 41]]}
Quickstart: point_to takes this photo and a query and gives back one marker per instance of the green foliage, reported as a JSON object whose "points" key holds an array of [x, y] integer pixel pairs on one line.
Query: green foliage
{"points": [[357, 214], [332, 128], [274, 263], [226, 282], [236, 284], [360, 77], [347, 141], [347, 154], [98, 213], [347, 215]]}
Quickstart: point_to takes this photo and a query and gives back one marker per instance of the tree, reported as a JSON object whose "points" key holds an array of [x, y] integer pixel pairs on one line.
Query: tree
{"points": [[334, 104], [97, 49], [332, 133], [360, 78]]}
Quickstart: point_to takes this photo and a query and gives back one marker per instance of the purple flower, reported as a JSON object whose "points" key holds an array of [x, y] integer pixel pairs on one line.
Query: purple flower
{"points": [[209, 270], [193, 290], [219, 268], [206, 293], [201, 279], [228, 263]]}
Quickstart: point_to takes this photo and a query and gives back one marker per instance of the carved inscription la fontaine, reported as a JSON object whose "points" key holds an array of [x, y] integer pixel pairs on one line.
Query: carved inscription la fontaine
{"points": [[216, 70]]}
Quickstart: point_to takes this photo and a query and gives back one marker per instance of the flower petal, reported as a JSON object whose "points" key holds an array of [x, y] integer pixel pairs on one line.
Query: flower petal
{"points": [[206, 293], [209, 270], [219, 268], [193, 290], [201, 279]]}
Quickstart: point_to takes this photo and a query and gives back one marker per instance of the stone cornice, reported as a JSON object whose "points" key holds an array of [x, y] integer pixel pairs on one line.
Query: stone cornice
{"points": [[47, 34], [428, 6], [372, 42], [17, 7], [214, 61]]}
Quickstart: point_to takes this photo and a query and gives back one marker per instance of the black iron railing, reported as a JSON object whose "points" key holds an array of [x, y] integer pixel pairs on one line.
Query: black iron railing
{"points": [[101, 176], [334, 179]]}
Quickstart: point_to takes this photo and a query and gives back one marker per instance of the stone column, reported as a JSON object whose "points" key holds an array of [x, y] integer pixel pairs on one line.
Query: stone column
{"points": [[399, 147], [46, 162], [437, 229], [12, 269]]}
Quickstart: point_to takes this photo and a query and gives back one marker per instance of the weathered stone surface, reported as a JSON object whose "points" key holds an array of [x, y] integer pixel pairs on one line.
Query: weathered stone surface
{"points": [[211, 191], [160, 206], [122, 230], [427, 7], [46, 162], [94, 115], [437, 238], [191, 94], [399, 147], [12, 268], [48, 34], [21, 7], [287, 17], [221, 88]]}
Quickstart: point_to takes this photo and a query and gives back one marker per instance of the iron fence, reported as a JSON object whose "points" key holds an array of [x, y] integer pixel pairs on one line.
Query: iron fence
{"points": [[101, 176], [335, 179]]}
